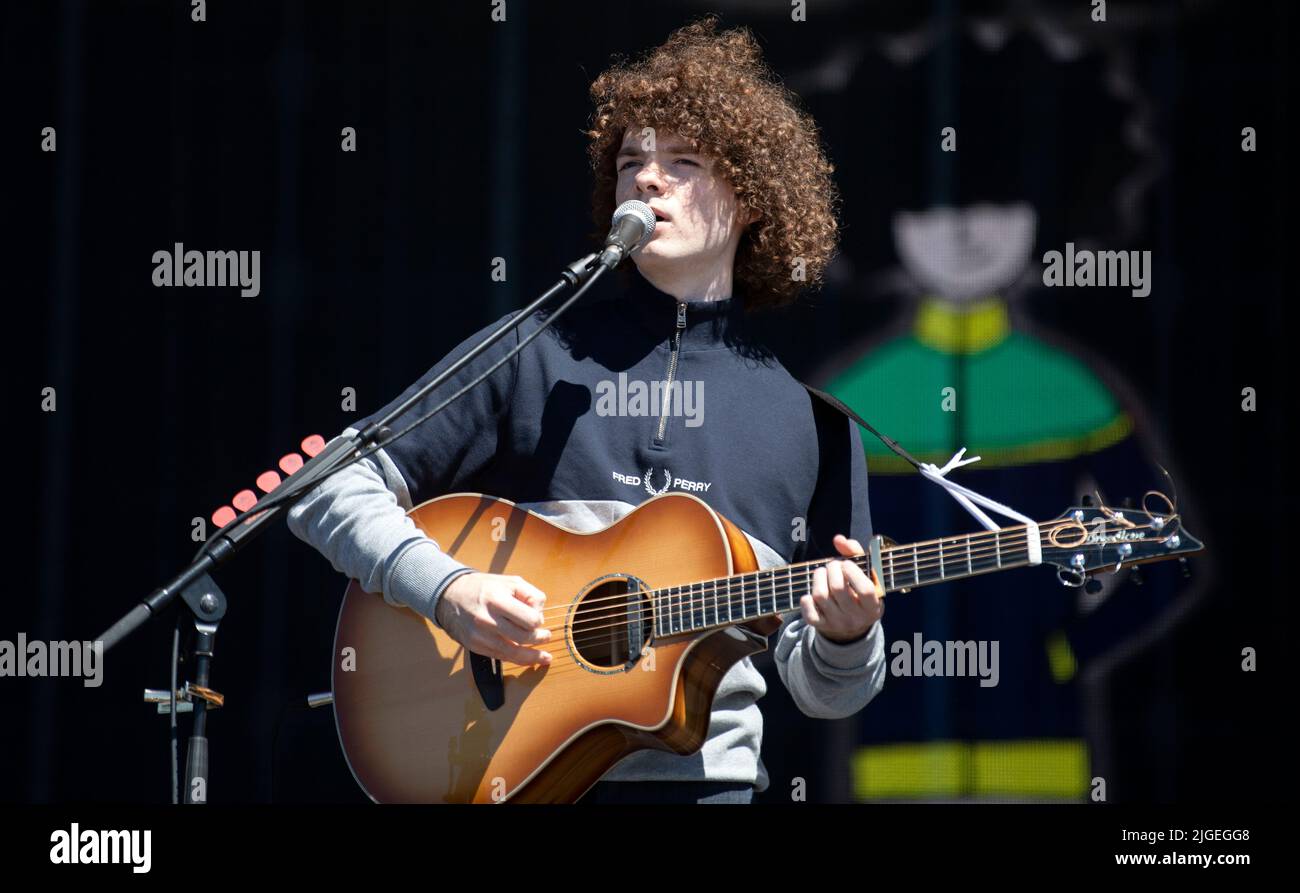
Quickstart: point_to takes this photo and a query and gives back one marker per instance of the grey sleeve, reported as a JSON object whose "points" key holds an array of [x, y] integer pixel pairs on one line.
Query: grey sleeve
{"points": [[829, 680], [357, 519]]}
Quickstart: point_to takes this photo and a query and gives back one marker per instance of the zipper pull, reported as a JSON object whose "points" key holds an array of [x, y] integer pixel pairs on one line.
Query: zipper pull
{"points": [[681, 314]]}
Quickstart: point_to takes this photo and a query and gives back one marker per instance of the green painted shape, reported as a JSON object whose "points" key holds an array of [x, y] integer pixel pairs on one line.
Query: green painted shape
{"points": [[1018, 393]]}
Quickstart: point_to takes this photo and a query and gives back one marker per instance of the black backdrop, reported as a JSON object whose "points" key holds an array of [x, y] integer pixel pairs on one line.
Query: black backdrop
{"points": [[225, 135]]}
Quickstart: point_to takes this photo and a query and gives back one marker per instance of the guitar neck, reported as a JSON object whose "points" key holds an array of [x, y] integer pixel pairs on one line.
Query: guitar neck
{"points": [[727, 601]]}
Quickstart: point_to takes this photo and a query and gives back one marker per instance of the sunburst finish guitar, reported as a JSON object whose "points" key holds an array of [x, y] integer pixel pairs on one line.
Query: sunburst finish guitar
{"points": [[641, 615]]}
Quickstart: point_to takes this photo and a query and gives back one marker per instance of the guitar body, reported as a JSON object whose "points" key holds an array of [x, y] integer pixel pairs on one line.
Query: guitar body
{"points": [[422, 720]]}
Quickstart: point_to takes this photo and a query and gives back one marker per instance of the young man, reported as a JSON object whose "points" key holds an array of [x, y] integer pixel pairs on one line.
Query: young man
{"points": [[700, 132]]}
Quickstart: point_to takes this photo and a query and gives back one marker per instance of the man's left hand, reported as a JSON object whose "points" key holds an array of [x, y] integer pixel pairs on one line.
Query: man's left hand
{"points": [[844, 603]]}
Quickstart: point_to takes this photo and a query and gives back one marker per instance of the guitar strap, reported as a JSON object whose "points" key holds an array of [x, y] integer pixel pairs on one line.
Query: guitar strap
{"points": [[884, 438], [969, 499]]}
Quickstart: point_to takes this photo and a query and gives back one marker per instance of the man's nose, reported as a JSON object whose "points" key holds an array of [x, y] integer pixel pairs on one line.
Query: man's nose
{"points": [[649, 179]]}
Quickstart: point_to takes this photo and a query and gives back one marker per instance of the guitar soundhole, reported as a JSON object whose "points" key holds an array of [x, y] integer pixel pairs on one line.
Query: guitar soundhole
{"points": [[611, 623]]}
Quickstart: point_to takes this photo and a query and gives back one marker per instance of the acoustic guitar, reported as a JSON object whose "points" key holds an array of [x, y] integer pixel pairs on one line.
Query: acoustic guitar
{"points": [[641, 615]]}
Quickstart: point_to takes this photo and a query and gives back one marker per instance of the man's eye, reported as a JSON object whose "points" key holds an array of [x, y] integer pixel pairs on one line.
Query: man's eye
{"points": [[624, 165]]}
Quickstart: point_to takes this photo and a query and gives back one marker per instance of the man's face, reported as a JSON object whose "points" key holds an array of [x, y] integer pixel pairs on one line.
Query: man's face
{"points": [[696, 209]]}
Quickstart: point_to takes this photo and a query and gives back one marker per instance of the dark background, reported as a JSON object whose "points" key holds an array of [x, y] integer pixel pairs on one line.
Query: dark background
{"points": [[225, 135]]}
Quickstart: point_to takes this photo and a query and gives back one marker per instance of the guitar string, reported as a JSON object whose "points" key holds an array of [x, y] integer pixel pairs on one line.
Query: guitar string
{"points": [[784, 586], [910, 562], [797, 579], [988, 546], [581, 620], [778, 583], [566, 659], [991, 539]]}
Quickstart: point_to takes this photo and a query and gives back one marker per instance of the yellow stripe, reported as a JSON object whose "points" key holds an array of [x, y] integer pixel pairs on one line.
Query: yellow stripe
{"points": [[1044, 451], [1060, 657], [962, 328], [1053, 769]]}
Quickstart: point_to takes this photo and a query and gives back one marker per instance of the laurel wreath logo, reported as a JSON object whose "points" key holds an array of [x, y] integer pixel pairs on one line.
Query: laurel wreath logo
{"points": [[668, 480]]}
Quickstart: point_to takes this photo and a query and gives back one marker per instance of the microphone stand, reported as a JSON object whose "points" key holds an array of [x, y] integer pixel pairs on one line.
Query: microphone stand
{"points": [[200, 593]]}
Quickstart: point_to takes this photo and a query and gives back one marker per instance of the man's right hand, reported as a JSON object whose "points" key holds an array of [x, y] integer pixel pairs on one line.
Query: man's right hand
{"points": [[496, 616]]}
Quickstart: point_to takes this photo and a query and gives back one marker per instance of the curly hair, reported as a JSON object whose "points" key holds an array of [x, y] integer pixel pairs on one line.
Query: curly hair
{"points": [[715, 92]]}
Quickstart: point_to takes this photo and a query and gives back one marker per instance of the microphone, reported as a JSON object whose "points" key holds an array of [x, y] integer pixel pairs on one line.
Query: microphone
{"points": [[633, 224]]}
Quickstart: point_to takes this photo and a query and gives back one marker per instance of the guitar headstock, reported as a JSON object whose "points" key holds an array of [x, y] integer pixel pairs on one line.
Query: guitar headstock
{"points": [[1087, 540]]}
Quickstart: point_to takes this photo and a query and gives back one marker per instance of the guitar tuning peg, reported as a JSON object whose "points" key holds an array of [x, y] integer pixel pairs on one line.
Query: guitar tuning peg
{"points": [[1135, 574], [1093, 586], [1187, 568]]}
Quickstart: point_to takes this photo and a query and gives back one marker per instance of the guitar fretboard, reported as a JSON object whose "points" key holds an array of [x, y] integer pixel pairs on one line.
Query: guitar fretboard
{"points": [[729, 600]]}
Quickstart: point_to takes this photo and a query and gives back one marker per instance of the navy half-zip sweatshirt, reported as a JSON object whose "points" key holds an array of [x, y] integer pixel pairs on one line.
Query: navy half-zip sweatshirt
{"points": [[574, 428]]}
